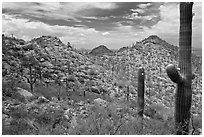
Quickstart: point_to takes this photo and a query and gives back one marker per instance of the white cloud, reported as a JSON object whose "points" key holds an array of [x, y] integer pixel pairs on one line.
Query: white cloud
{"points": [[197, 24], [136, 16], [57, 10], [101, 5], [169, 13], [96, 18], [143, 6], [122, 35], [168, 27], [138, 10], [78, 36], [21, 28], [123, 28], [105, 33]]}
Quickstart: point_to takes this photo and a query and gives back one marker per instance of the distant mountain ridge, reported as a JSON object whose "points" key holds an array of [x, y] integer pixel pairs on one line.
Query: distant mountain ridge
{"points": [[154, 39], [150, 42], [101, 50]]}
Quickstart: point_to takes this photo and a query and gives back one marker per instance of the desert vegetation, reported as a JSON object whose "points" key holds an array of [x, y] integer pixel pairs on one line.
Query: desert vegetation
{"points": [[50, 88]]}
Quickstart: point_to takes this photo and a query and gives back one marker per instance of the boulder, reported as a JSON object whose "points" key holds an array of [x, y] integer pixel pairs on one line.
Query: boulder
{"points": [[94, 89], [100, 102], [71, 78], [47, 64], [24, 93], [6, 120], [68, 113], [81, 103], [42, 99], [103, 90], [54, 99]]}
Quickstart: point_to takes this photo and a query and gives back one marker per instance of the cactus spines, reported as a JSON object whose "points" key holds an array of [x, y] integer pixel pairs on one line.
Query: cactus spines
{"points": [[140, 91], [184, 76]]}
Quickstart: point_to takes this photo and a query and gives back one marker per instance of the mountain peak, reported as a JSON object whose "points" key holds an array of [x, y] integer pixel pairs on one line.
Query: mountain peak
{"points": [[100, 50], [102, 46], [153, 37]]}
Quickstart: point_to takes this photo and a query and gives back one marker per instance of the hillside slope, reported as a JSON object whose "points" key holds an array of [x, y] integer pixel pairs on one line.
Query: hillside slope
{"points": [[74, 93]]}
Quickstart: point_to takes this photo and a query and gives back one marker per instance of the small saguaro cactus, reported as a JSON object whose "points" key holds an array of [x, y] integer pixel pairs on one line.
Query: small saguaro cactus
{"points": [[183, 76], [140, 90], [140, 93]]}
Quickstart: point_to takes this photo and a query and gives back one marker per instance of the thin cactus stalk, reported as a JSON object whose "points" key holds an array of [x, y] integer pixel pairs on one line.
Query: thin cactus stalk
{"points": [[128, 92], [183, 76], [129, 75], [140, 91]]}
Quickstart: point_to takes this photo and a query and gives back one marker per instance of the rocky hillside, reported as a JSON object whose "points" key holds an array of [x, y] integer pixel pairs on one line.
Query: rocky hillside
{"points": [[50, 88], [101, 50], [154, 54], [54, 59]]}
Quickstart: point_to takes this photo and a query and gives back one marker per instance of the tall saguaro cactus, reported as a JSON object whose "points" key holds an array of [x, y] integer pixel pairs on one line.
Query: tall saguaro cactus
{"points": [[183, 76], [140, 91]]}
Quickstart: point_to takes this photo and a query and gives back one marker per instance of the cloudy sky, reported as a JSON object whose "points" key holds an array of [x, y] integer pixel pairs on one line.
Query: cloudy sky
{"points": [[87, 25]]}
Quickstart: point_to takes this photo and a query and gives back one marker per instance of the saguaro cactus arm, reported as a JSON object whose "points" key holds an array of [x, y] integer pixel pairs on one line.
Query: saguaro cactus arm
{"points": [[174, 74]]}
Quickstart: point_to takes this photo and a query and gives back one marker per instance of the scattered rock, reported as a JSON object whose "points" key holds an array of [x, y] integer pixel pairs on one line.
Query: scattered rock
{"points": [[24, 93], [42, 99], [4, 116], [81, 103], [54, 99], [94, 89], [7, 121], [74, 122], [68, 113]]}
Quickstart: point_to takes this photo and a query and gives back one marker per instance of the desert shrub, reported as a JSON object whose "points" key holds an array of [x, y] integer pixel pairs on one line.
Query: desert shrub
{"points": [[45, 119], [51, 91], [92, 72], [71, 78], [121, 84], [130, 127], [132, 104], [100, 121], [18, 124], [19, 113], [195, 125], [156, 127], [16, 127], [23, 85], [159, 112], [197, 121], [8, 88]]}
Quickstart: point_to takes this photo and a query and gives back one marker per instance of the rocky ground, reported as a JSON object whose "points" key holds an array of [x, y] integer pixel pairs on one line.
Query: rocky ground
{"points": [[50, 88]]}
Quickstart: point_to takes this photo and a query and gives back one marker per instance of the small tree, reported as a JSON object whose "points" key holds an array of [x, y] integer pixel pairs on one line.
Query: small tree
{"points": [[31, 63]]}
